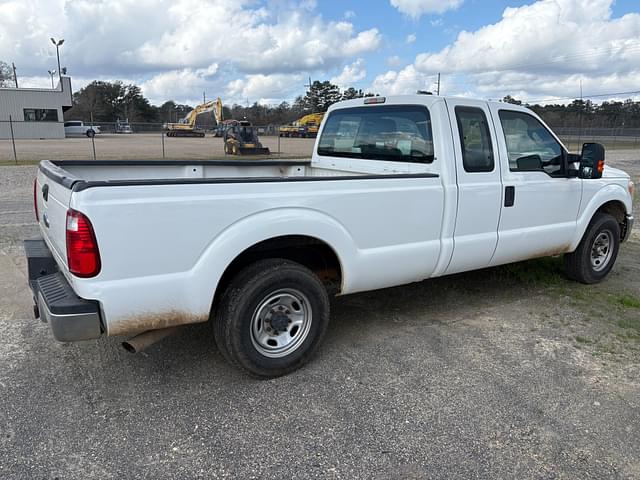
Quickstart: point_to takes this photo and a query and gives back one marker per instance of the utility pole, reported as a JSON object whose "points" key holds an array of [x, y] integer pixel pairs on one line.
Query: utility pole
{"points": [[204, 97], [15, 76], [438, 90]]}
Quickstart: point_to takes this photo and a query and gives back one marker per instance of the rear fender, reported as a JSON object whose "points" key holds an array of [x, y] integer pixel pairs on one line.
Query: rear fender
{"points": [[262, 226]]}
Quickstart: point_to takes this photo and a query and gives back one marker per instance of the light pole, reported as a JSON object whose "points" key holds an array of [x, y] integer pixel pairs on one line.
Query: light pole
{"points": [[57, 44], [51, 74]]}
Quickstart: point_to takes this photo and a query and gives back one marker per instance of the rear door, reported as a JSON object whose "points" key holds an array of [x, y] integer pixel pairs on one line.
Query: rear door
{"points": [[541, 203], [479, 185]]}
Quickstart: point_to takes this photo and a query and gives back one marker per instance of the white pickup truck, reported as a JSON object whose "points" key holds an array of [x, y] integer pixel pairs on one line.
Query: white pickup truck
{"points": [[398, 190]]}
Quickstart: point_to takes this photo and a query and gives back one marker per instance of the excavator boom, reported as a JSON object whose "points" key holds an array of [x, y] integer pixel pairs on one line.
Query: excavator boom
{"points": [[188, 128]]}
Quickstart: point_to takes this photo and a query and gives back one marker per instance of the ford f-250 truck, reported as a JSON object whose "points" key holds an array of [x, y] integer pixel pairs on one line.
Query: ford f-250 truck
{"points": [[398, 190]]}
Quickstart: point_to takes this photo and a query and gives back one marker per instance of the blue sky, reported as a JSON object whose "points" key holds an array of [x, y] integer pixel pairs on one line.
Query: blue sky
{"points": [[265, 50]]}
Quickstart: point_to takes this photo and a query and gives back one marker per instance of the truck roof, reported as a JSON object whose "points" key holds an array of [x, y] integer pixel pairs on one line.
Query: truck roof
{"points": [[423, 99]]}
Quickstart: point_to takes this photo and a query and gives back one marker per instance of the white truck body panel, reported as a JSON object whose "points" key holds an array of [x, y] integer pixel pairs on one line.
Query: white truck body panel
{"points": [[168, 231]]}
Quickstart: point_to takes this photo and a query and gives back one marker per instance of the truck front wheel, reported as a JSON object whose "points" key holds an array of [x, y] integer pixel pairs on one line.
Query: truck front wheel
{"points": [[597, 251], [272, 317]]}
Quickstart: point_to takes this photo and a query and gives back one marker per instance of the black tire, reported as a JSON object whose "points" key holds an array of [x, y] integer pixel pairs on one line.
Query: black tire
{"points": [[91, 133], [247, 295], [584, 267]]}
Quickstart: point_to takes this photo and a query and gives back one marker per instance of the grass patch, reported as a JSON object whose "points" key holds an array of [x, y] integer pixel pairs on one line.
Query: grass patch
{"points": [[630, 323], [12, 163], [541, 271], [625, 300], [584, 340]]}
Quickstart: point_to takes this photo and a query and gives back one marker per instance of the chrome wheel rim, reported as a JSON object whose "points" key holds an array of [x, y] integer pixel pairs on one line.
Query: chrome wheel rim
{"points": [[281, 323], [601, 250]]}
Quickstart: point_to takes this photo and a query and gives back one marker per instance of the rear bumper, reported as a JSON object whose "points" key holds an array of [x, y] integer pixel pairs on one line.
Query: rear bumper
{"points": [[70, 317], [627, 228]]}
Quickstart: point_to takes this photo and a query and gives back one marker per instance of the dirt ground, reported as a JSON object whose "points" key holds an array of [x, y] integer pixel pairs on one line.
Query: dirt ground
{"points": [[141, 146], [510, 372]]}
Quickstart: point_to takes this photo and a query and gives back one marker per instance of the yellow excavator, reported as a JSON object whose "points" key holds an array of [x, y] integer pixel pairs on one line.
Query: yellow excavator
{"points": [[305, 127], [187, 126]]}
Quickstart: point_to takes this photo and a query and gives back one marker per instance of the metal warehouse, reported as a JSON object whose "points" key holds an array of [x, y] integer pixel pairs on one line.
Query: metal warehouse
{"points": [[34, 112]]}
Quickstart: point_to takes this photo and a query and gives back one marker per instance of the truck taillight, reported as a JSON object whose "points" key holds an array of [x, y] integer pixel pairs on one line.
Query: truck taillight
{"points": [[35, 198], [83, 256]]}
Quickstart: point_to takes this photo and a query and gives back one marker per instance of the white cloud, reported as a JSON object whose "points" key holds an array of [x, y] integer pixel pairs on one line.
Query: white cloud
{"points": [[264, 89], [403, 82], [536, 51], [417, 8], [394, 61], [297, 41], [181, 85], [349, 14], [146, 36], [411, 38], [350, 74], [564, 36]]}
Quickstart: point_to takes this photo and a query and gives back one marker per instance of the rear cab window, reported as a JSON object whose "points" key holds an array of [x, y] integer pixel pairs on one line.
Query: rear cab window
{"points": [[400, 133]]}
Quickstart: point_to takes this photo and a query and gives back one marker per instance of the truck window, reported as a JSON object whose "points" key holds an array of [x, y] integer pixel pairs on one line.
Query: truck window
{"points": [[530, 145], [475, 139], [400, 133]]}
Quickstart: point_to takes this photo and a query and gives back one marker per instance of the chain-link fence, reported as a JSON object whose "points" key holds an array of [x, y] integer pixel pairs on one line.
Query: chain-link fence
{"points": [[619, 138], [22, 141]]}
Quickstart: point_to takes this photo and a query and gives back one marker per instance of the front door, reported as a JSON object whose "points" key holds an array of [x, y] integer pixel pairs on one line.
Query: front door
{"points": [[540, 203]]}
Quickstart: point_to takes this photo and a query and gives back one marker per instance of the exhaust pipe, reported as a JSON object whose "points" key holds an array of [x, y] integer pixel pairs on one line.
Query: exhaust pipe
{"points": [[146, 339]]}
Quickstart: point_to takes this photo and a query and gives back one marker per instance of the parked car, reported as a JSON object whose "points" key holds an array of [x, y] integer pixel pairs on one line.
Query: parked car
{"points": [[76, 128], [123, 126], [398, 190]]}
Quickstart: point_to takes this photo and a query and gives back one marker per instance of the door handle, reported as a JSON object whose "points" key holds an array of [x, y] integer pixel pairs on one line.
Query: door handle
{"points": [[509, 196]]}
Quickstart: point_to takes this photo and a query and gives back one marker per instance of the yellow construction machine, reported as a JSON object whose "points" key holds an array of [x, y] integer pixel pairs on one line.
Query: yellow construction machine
{"points": [[305, 127], [187, 126], [241, 138]]}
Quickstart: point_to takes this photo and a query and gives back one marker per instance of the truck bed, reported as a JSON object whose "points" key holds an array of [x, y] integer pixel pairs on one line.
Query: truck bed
{"points": [[81, 174]]}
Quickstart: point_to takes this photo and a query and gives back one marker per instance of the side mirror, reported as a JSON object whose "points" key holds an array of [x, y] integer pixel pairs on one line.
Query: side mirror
{"points": [[592, 160], [529, 163]]}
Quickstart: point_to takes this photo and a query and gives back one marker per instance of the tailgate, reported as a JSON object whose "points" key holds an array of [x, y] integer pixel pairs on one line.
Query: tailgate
{"points": [[52, 200]]}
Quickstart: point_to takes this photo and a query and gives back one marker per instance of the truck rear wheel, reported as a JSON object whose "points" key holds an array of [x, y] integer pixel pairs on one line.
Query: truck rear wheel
{"points": [[272, 317], [597, 251]]}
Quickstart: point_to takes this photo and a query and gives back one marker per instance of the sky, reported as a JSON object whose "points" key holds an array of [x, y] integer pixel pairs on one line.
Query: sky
{"points": [[267, 50]]}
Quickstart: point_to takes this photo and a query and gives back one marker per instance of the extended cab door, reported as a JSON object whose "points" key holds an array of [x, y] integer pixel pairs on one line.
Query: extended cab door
{"points": [[479, 185], [540, 203]]}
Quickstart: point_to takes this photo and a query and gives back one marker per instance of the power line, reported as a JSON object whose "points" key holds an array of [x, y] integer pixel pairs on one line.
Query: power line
{"points": [[598, 95]]}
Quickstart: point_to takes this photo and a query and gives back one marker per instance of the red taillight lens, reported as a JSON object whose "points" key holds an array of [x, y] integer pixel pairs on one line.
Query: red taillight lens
{"points": [[83, 256], [35, 198]]}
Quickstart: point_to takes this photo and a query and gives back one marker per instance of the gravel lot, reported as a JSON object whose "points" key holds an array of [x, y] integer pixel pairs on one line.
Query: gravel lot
{"points": [[141, 146], [511, 372]]}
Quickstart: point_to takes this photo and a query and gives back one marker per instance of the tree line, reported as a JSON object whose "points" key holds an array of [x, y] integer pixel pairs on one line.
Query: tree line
{"points": [[108, 101], [586, 114]]}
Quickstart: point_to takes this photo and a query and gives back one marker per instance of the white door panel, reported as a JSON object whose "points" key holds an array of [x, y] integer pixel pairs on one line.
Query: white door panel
{"points": [[542, 218], [479, 192]]}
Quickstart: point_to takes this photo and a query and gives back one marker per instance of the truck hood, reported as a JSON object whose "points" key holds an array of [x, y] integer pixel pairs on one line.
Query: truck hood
{"points": [[611, 172]]}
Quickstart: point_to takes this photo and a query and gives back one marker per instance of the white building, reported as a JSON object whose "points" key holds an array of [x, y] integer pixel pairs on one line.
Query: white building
{"points": [[34, 112]]}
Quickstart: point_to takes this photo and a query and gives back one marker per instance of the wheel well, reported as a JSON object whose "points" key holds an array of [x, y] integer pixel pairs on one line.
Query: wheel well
{"points": [[618, 211], [314, 254]]}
